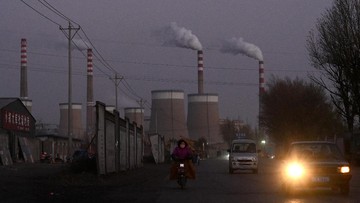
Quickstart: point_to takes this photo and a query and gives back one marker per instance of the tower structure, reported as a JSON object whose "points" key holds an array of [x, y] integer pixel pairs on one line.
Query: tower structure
{"points": [[168, 114]]}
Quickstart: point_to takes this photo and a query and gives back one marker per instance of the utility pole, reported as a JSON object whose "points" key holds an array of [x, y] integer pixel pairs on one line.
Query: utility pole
{"points": [[117, 79], [69, 36]]}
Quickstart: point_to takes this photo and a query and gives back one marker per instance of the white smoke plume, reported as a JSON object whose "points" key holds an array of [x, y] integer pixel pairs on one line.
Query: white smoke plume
{"points": [[239, 46], [80, 44], [180, 36]]}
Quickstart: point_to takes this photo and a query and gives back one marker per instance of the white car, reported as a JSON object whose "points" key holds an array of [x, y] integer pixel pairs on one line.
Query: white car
{"points": [[243, 155]]}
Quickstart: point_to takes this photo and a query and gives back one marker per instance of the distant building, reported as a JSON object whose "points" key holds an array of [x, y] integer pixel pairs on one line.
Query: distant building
{"points": [[17, 133]]}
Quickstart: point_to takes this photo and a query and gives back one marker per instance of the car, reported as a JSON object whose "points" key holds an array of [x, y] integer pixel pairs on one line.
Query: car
{"points": [[315, 165], [243, 155]]}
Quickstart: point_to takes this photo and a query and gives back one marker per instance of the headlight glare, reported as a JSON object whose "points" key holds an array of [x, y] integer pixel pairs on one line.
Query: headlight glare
{"points": [[344, 169], [295, 170]]}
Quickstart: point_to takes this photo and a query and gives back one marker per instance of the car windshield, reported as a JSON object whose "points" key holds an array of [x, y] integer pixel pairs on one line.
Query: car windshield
{"points": [[244, 148], [315, 151]]}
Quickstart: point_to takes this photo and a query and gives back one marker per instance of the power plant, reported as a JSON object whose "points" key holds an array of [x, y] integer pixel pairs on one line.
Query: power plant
{"points": [[168, 114], [203, 111]]}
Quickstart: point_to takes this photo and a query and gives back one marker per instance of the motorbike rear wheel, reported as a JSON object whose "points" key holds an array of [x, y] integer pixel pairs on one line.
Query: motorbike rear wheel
{"points": [[182, 181]]}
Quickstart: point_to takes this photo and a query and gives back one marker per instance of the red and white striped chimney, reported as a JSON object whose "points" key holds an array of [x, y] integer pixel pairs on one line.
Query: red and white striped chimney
{"points": [[23, 72], [261, 78], [90, 98], [261, 90], [200, 72]]}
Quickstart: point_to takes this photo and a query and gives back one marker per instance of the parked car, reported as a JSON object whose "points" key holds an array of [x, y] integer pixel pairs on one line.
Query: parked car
{"points": [[315, 164]]}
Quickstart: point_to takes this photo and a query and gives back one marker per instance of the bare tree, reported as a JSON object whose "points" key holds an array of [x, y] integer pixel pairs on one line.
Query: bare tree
{"points": [[296, 110], [232, 131], [335, 51]]}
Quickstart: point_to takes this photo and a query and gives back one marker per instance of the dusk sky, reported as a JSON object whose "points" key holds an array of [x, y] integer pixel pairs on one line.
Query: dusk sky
{"points": [[135, 38]]}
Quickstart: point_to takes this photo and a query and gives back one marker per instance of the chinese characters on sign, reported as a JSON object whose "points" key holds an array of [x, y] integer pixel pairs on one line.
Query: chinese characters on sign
{"points": [[15, 121]]}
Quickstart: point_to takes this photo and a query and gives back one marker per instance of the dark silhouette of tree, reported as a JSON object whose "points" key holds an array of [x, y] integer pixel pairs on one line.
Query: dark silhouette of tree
{"points": [[231, 131], [295, 110], [334, 50]]}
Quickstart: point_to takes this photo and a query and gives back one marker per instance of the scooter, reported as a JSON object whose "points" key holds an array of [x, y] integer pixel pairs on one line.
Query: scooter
{"points": [[181, 174]]}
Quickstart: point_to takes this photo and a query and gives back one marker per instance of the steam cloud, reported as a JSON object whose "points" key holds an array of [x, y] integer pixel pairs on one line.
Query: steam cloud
{"points": [[181, 37], [239, 46], [80, 44]]}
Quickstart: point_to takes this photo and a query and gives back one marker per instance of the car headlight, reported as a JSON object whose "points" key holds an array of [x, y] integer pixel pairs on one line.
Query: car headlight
{"points": [[344, 169], [294, 170]]}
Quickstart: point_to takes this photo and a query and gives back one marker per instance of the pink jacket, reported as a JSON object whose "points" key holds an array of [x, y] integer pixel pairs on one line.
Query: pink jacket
{"points": [[182, 153]]}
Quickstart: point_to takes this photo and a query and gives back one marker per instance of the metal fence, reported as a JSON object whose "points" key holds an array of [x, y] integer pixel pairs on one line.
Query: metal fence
{"points": [[119, 143]]}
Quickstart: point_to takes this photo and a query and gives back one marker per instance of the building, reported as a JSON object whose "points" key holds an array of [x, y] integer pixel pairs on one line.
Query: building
{"points": [[17, 133]]}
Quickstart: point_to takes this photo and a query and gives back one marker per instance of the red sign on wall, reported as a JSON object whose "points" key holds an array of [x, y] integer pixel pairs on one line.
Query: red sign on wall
{"points": [[15, 121]]}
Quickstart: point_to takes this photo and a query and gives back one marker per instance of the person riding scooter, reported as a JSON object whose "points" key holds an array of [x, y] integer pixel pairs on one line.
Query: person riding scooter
{"points": [[182, 153]]}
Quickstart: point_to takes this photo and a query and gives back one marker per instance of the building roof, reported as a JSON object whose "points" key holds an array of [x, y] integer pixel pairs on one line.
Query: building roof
{"points": [[5, 101]]}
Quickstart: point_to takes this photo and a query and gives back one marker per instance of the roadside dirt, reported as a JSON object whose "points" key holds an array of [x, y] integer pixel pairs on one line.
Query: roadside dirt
{"points": [[41, 182]]}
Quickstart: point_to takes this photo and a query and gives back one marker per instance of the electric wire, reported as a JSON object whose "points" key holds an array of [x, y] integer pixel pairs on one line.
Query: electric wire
{"points": [[60, 14], [41, 14]]}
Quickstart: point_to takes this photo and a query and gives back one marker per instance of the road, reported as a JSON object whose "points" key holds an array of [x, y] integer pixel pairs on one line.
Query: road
{"points": [[215, 184], [54, 183]]}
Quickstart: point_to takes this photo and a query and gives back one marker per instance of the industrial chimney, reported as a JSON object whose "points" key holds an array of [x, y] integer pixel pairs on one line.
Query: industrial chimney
{"points": [[168, 114], [200, 72], [261, 91], [90, 111], [261, 78], [23, 76]]}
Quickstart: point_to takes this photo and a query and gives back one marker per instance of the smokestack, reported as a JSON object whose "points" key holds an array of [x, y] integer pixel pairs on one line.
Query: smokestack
{"points": [[200, 72], [23, 76], [261, 78], [90, 98], [23, 73], [261, 89]]}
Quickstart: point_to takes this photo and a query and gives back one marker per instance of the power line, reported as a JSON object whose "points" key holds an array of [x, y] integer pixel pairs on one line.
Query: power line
{"points": [[165, 64], [40, 13]]}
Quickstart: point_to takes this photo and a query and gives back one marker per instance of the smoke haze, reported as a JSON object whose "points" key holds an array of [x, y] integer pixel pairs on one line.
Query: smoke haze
{"points": [[180, 36], [239, 46]]}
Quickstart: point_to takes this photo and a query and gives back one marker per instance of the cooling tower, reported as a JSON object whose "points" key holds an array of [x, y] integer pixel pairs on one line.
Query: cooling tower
{"points": [[77, 129], [168, 114], [203, 117], [135, 114]]}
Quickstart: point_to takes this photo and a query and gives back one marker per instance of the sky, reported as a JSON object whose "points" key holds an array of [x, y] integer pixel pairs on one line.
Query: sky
{"points": [[152, 45]]}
